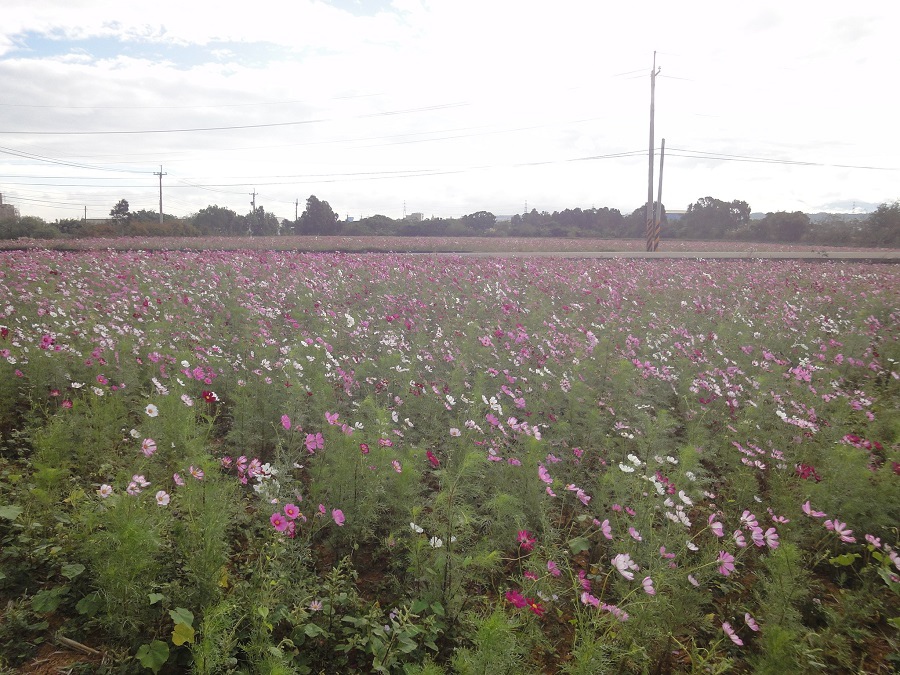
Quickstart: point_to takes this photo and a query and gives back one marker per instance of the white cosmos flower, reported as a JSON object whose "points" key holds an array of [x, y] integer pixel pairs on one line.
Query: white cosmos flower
{"points": [[436, 542]]}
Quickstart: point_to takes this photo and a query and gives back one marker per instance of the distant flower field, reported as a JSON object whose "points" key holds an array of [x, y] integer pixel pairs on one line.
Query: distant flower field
{"points": [[406, 244], [284, 462]]}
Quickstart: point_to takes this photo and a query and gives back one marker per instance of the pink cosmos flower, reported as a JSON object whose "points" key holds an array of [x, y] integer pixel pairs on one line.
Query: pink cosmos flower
{"points": [[105, 491], [286, 422], [625, 564], [583, 580], [729, 631], [196, 472], [338, 517], [771, 536], [727, 560], [314, 442], [179, 481], [648, 586], [455, 432], [841, 530], [544, 475], [606, 529], [739, 539], [151, 410], [552, 568], [808, 510], [148, 447], [635, 534], [331, 418], [162, 498], [385, 442], [751, 622], [397, 466], [528, 574], [588, 599], [291, 511], [364, 448], [279, 522]]}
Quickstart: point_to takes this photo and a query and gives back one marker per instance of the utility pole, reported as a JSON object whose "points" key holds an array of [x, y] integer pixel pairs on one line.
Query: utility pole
{"points": [[85, 213], [253, 213], [296, 208], [650, 209], [160, 174], [657, 218]]}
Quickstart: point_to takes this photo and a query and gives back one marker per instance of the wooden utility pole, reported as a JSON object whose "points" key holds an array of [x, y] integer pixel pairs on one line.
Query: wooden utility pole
{"points": [[650, 217], [160, 174], [657, 217]]}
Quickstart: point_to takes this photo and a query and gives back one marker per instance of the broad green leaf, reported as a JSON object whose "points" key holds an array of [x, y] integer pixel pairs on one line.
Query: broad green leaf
{"points": [[72, 571], [579, 545], [10, 512], [155, 597], [47, 601], [182, 633], [154, 655], [844, 559], [182, 615], [437, 608], [312, 630], [90, 604]]}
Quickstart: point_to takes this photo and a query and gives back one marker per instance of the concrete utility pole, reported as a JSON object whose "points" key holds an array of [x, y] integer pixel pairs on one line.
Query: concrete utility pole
{"points": [[253, 213], [296, 209], [657, 218], [650, 209], [160, 174]]}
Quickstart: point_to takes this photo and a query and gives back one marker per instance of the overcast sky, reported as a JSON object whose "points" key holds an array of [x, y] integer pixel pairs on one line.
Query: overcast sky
{"points": [[448, 106]]}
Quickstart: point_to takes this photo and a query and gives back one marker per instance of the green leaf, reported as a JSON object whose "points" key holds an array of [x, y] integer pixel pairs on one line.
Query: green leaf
{"points": [[844, 560], [895, 622], [579, 545], [263, 611], [47, 601], [72, 571], [90, 604], [10, 512], [182, 633], [155, 597], [418, 606], [312, 630], [437, 608], [154, 655], [182, 615]]}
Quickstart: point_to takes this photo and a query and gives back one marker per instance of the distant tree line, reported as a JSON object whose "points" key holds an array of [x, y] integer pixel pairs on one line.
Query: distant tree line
{"points": [[706, 219]]}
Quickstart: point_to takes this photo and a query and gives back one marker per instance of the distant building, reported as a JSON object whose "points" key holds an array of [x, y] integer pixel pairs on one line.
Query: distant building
{"points": [[675, 215], [8, 211]]}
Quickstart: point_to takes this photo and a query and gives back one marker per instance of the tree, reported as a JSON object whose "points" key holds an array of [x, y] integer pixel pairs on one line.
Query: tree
{"points": [[480, 221], [263, 224], [711, 218], [781, 226], [219, 220], [121, 215], [883, 225], [317, 218]]}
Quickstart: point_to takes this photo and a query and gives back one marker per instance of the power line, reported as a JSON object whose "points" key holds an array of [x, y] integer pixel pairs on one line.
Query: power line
{"points": [[267, 125]]}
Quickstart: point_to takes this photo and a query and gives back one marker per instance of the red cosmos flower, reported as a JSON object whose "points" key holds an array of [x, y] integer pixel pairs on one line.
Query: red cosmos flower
{"points": [[431, 458], [535, 606], [517, 599], [526, 541], [210, 396], [364, 448]]}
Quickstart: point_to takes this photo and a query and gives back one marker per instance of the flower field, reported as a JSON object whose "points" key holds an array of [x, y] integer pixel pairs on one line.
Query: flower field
{"points": [[283, 462]]}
